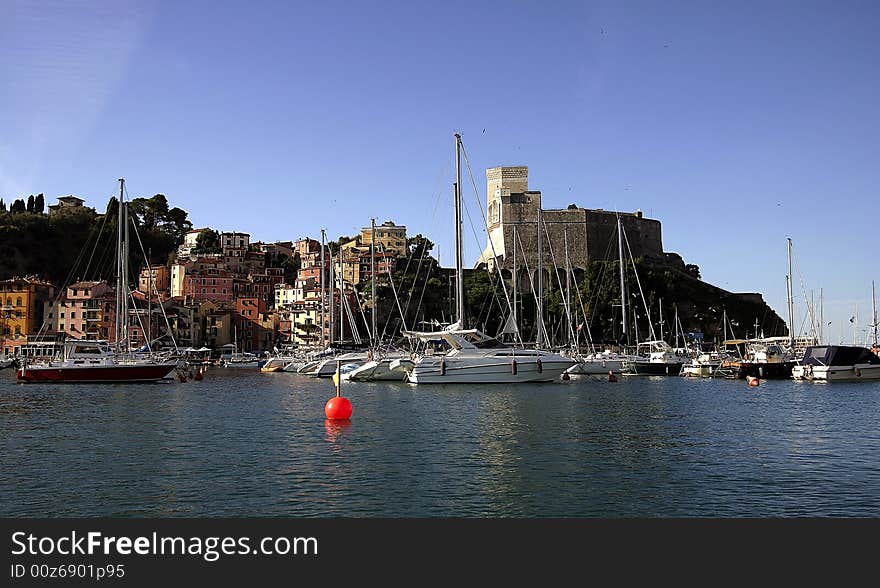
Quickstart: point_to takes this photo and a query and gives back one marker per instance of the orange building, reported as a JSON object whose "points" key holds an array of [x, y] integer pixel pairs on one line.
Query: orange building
{"points": [[24, 302]]}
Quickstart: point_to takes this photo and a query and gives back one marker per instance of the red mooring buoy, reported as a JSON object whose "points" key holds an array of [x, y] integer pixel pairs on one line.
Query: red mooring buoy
{"points": [[611, 376], [199, 375], [753, 381], [338, 407]]}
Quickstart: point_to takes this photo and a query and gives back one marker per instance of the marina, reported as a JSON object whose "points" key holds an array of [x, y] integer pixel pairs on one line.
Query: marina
{"points": [[245, 443]]}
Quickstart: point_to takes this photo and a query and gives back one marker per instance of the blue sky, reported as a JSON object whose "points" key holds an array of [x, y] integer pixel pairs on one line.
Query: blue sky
{"points": [[735, 124]]}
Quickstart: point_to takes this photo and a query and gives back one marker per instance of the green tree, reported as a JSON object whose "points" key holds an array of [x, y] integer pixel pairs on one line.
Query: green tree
{"points": [[2, 205], [208, 241], [30, 203], [39, 204], [18, 206]]}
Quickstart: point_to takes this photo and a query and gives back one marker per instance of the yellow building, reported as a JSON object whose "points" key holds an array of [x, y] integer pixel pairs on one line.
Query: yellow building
{"points": [[24, 303], [390, 238]]}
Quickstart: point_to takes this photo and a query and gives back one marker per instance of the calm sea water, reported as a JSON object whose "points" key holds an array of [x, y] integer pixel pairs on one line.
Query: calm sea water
{"points": [[252, 444]]}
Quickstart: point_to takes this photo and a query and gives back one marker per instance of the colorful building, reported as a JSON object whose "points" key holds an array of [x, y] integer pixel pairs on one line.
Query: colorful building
{"points": [[25, 302]]}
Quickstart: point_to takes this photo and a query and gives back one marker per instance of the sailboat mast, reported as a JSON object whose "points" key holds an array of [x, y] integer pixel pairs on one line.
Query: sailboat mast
{"points": [[539, 338], [119, 264], [332, 281], [724, 320], [515, 323], [790, 300], [622, 273], [459, 263], [568, 290], [323, 287], [375, 334], [874, 309], [662, 338]]}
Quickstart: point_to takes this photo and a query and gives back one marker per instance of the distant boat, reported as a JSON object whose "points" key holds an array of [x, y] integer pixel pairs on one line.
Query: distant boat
{"points": [[838, 363], [654, 358]]}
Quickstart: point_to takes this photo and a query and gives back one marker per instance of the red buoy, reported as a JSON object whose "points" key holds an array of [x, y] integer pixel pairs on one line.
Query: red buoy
{"points": [[753, 381], [199, 375], [338, 407], [611, 376]]}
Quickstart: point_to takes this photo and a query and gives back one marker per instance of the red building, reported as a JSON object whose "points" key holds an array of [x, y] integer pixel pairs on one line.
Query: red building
{"points": [[208, 283]]}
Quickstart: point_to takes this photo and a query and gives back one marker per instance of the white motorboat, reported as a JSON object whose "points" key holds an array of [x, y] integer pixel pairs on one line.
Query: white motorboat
{"points": [[702, 366], [598, 363], [654, 358], [6, 362], [347, 362], [392, 367], [475, 358], [837, 363]]}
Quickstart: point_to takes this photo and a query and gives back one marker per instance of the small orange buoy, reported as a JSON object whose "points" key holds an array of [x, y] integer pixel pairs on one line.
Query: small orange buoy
{"points": [[338, 407], [753, 381], [611, 376]]}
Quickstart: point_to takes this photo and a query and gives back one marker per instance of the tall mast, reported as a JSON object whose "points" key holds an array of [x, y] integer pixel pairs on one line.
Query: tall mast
{"points": [[341, 275], [790, 299], [119, 264], [459, 262], [661, 320], [125, 249], [568, 289], [676, 325], [539, 338], [515, 323], [724, 320], [373, 279], [622, 273], [822, 317], [323, 287], [331, 298], [874, 309]]}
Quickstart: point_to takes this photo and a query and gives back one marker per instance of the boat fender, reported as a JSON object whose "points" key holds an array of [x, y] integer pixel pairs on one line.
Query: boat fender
{"points": [[513, 367], [540, 366], [858, 373], [442, 367]]}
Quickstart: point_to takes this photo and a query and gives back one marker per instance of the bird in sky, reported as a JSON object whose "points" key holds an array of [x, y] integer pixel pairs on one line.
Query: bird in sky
{"points": [[484, 131]]}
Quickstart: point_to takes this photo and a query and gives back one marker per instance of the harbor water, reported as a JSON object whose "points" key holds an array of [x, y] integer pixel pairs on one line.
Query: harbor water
{"points": [[257, 444]]}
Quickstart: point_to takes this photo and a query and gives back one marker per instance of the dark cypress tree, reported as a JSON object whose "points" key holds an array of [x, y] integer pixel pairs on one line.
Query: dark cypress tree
{"points": [[39, 204], [2, 205], [17, 206], [30, 203]]}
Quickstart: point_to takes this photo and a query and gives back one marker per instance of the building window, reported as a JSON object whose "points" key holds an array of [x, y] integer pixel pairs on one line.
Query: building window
{"points": [[72, 315], [61, 316], [18, 301]]}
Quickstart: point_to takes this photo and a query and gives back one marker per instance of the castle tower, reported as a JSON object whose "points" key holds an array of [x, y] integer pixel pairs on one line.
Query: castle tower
{"points": [[508, 202]]}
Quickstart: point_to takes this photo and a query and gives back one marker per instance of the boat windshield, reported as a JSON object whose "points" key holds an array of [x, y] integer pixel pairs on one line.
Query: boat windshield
{"points": [[481, 341]]}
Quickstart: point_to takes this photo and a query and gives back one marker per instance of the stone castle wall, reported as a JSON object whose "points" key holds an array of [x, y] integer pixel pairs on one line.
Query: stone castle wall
{"points": [[585, 234]]}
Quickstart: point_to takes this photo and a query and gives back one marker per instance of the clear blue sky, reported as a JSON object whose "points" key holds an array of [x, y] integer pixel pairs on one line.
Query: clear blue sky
{"points": [[737, 124]]}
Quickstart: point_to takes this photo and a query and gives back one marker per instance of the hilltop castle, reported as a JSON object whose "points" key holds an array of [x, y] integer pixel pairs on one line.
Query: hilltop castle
{"points": [[586, 234]]}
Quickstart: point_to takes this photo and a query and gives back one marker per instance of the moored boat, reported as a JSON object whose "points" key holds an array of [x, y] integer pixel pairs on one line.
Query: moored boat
{"points": [[838, 363]]}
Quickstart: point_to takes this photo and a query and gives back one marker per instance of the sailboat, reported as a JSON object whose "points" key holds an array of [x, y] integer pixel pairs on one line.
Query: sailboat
{"points": [[98, 361], [458, 355], [231, 357], [608, 360], [381, 364]]}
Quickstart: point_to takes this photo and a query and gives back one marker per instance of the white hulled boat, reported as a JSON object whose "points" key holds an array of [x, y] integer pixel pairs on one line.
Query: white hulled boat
{"points": [[837, 363], [476, 358]]}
